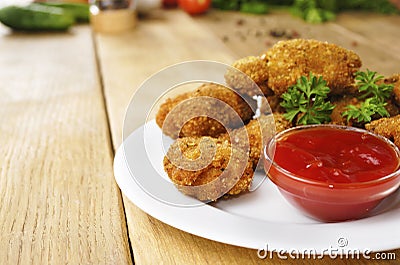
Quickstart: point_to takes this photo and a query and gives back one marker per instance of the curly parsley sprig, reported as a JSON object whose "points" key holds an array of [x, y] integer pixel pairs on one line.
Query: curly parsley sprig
{"points": [[368, 108], [307, 99], [375, 93], [367, 82]]}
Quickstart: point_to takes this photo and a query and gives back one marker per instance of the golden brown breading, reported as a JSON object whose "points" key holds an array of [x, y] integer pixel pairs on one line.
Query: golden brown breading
{"points": [[387, 127], [281, 123], [253, 66], [259, 132], [168, 105], [208, 168], [196, 113], [341, 104], [395, 80], [288, 60], [256, 69]]}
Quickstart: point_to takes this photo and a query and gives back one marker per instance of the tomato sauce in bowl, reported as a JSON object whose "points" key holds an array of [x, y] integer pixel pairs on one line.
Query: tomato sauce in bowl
{"points": [[333, 173]]}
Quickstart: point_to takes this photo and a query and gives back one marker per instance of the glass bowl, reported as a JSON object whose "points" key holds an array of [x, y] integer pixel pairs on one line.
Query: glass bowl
{"points": [[327, 200]]}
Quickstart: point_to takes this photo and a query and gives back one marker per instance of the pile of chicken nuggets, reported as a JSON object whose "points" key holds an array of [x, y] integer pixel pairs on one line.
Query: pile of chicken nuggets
{"points": [[220, 131]]}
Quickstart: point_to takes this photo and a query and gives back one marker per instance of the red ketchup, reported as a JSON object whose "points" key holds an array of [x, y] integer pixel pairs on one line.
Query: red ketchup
{"points": [[334, 174], [335, 156]]}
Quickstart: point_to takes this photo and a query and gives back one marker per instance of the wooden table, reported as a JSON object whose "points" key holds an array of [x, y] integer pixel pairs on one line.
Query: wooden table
{"points": [[62, 103]]}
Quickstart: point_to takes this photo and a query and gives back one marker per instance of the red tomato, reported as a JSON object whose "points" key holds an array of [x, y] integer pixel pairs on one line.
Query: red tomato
{"points": [[194, 7], [170, 3]]}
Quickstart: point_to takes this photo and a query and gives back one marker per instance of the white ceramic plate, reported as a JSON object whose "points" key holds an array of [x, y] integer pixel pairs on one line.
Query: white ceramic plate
{"points": [[255, 220]]}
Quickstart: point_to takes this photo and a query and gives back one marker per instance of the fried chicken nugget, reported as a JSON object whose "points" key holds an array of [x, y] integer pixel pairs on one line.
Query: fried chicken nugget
{"points": [[341, 105], [289, 60], [255, 68], [387, 127], [203, 112], [208, 168], [168, 105], [395, 80], [259, 132]]}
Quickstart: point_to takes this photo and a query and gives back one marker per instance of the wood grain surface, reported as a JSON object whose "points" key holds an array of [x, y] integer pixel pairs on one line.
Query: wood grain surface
{"points": [[171, 37], [63, 98], [59, 201], [373, 37]]}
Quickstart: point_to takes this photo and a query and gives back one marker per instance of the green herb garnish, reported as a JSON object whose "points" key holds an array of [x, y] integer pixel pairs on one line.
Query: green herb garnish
{"points": [[375, 96], [314, 11], [365, 112], [307, 98], [367, 83]]}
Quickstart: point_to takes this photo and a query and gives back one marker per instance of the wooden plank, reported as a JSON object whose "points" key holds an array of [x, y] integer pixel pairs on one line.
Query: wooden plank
{"points": [[382, 29], [59, 201], [126, 61]]}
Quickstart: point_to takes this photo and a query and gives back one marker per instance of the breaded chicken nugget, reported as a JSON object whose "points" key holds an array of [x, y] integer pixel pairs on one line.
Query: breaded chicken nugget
{"points": [[255, 68], [387, 127], [168, 105], [341, 105], [259, 132], [395, 80], [208, 168], [281, 123], [289, 60], [203, 112]]}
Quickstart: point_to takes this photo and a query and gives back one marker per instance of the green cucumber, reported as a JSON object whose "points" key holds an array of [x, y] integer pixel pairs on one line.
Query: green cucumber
{"points": [[36, 17], [78, 10]]}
